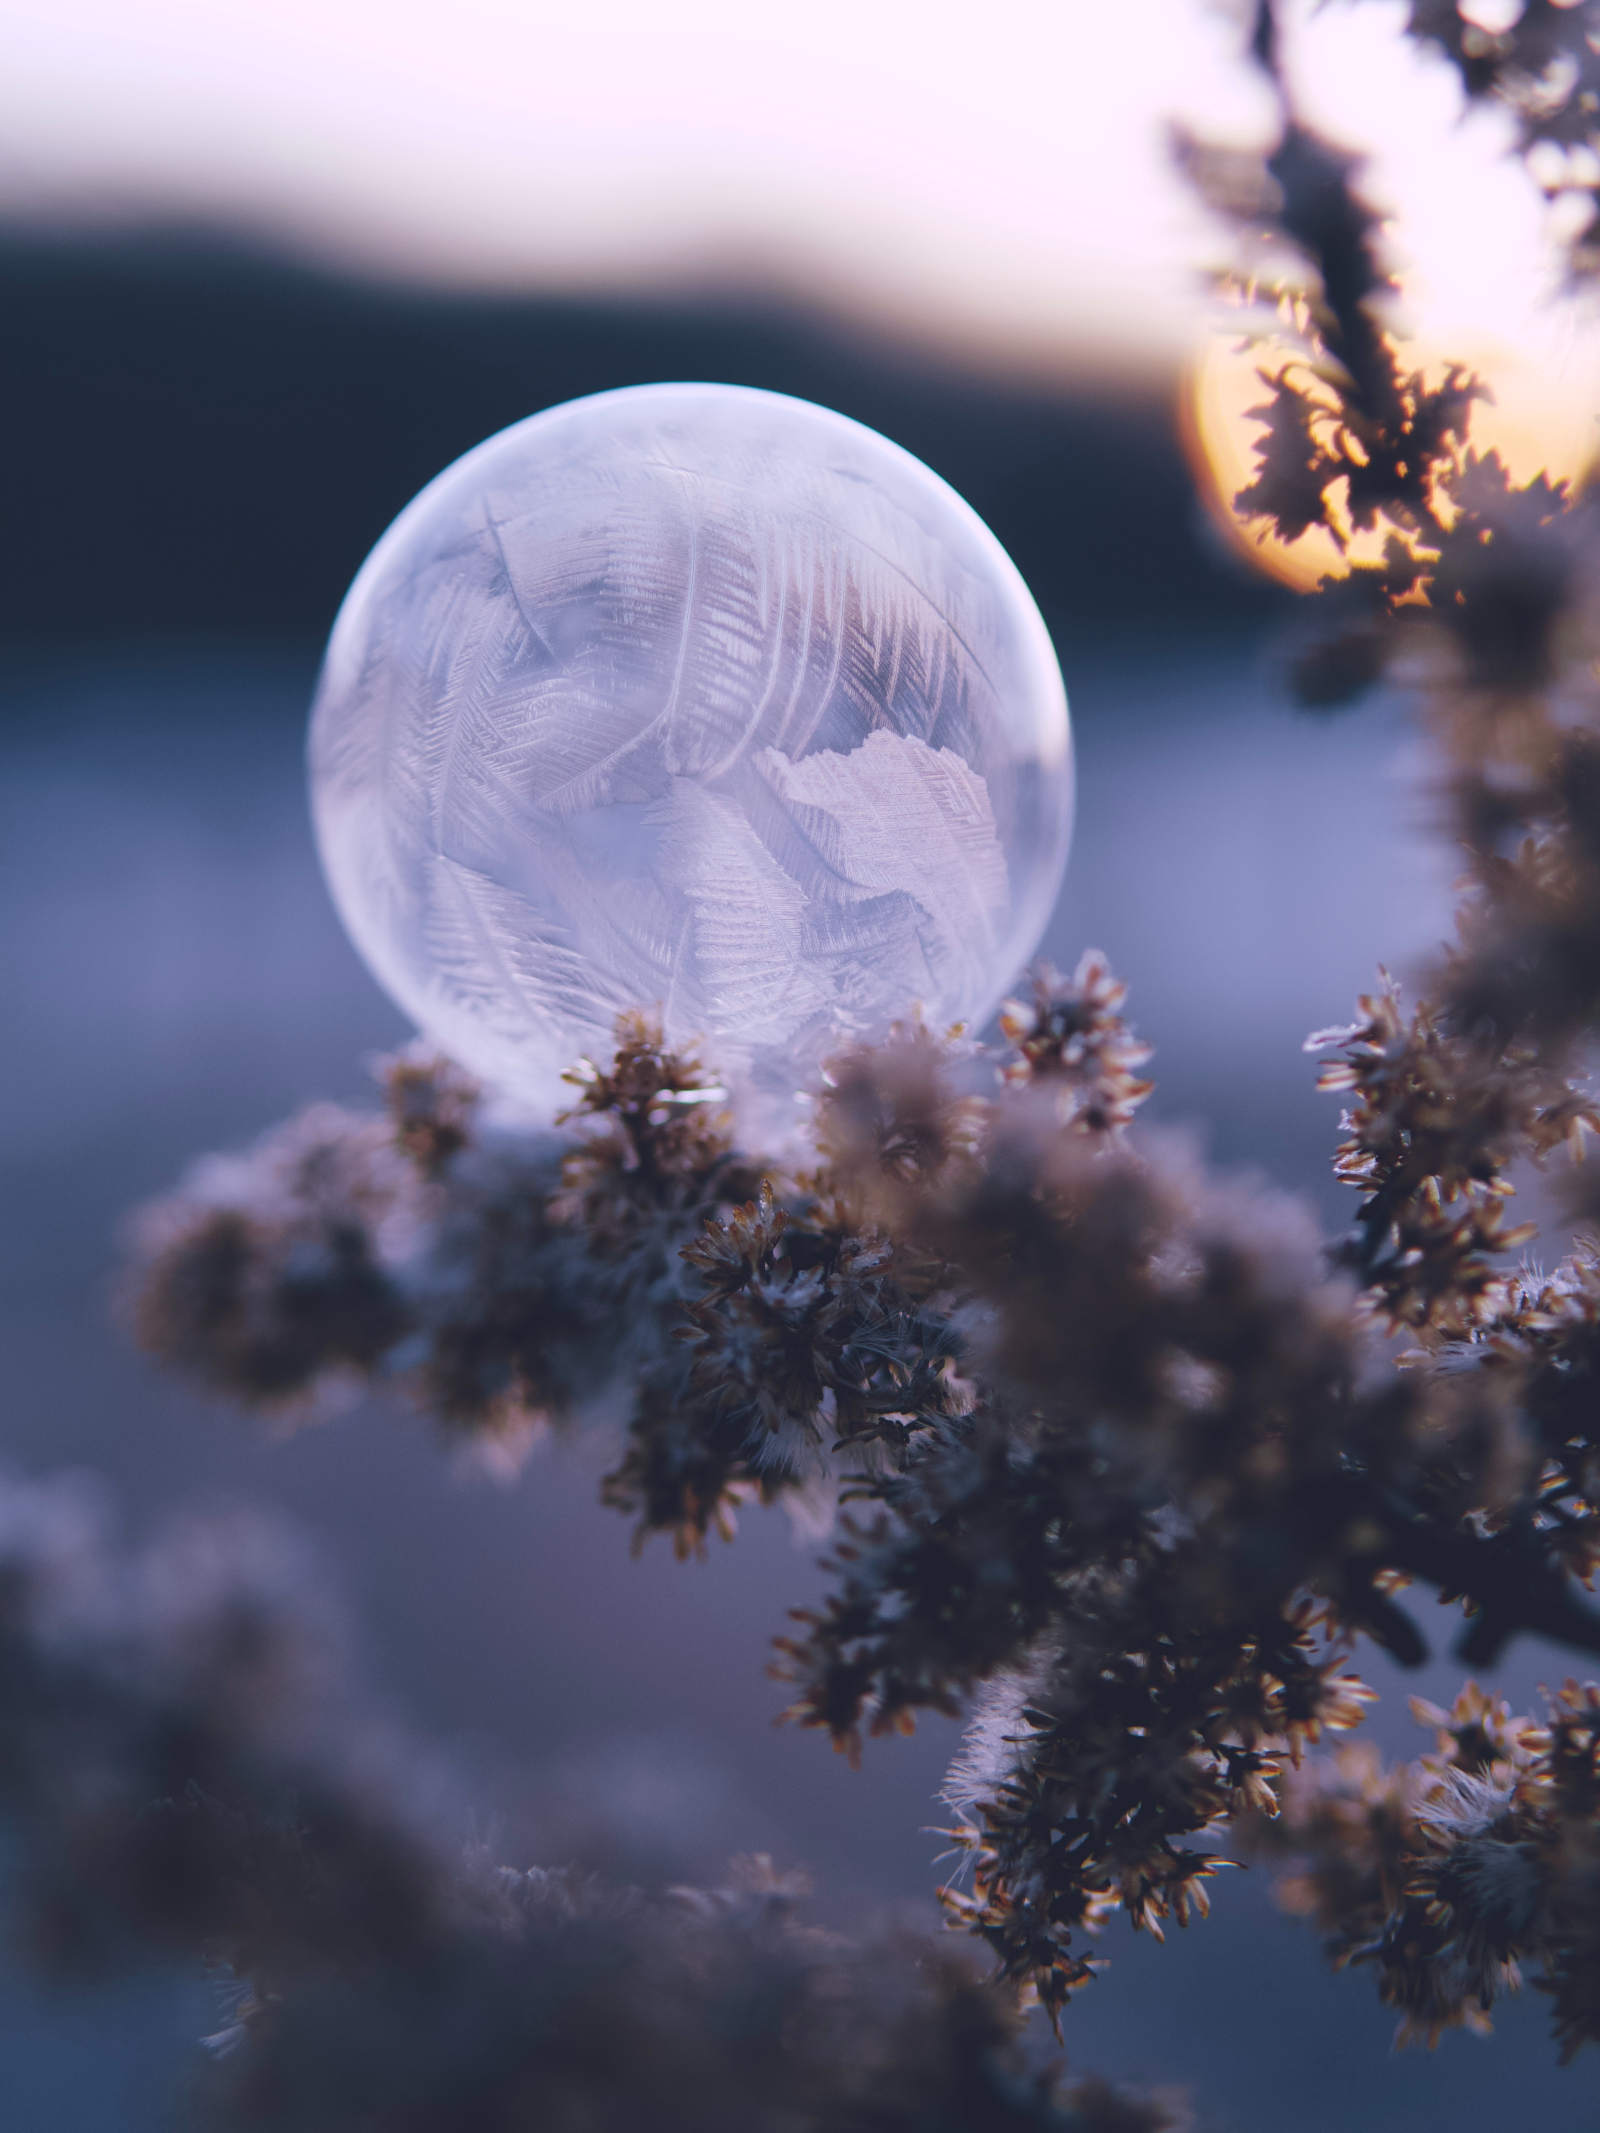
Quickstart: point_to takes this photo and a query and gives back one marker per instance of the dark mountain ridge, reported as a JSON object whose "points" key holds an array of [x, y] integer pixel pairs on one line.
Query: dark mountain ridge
{"points": [[205, 437]]}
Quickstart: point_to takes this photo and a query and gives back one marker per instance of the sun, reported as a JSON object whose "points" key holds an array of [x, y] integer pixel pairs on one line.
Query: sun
{"points": [[1534, 419]]}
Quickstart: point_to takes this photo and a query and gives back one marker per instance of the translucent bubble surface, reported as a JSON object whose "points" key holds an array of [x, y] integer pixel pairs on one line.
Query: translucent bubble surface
{"points": [[695, 698]]}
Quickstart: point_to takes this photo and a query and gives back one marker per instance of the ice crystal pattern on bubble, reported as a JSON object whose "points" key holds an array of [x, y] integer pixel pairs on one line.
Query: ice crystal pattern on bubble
{"points": [[694, 696]]}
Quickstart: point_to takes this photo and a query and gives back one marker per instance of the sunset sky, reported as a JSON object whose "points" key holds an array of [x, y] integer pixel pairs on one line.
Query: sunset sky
{"points": [[996, 176]]}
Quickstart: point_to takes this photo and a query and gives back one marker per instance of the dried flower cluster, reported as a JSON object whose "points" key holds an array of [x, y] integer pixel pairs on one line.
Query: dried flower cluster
{"points": [[1124, 1462], [1543, 66], [1129, 1462], [1436, 1122], [1451, 1874], [181, 1774]]}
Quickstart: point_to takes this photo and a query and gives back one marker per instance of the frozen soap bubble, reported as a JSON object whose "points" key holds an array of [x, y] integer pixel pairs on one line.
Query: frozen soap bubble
{"points": [[694, 698]]}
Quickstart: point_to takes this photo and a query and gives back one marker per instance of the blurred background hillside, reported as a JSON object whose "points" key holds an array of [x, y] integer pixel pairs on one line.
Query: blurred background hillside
{"points": [[261, 276]]}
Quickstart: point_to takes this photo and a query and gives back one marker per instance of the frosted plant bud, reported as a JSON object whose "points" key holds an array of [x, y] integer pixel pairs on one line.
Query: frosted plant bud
{"points": [[694, 698]]}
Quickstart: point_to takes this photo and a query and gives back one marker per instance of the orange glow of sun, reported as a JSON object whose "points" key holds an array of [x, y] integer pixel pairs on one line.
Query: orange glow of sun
{"points": [[1534, 420]]}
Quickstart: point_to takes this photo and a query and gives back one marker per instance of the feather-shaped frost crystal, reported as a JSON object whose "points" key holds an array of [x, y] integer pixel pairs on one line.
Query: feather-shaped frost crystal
{"points": [[696, 697]]}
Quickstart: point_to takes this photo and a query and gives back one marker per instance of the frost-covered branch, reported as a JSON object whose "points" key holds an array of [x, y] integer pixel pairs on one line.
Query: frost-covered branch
{"points": [[183, 1775]]}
